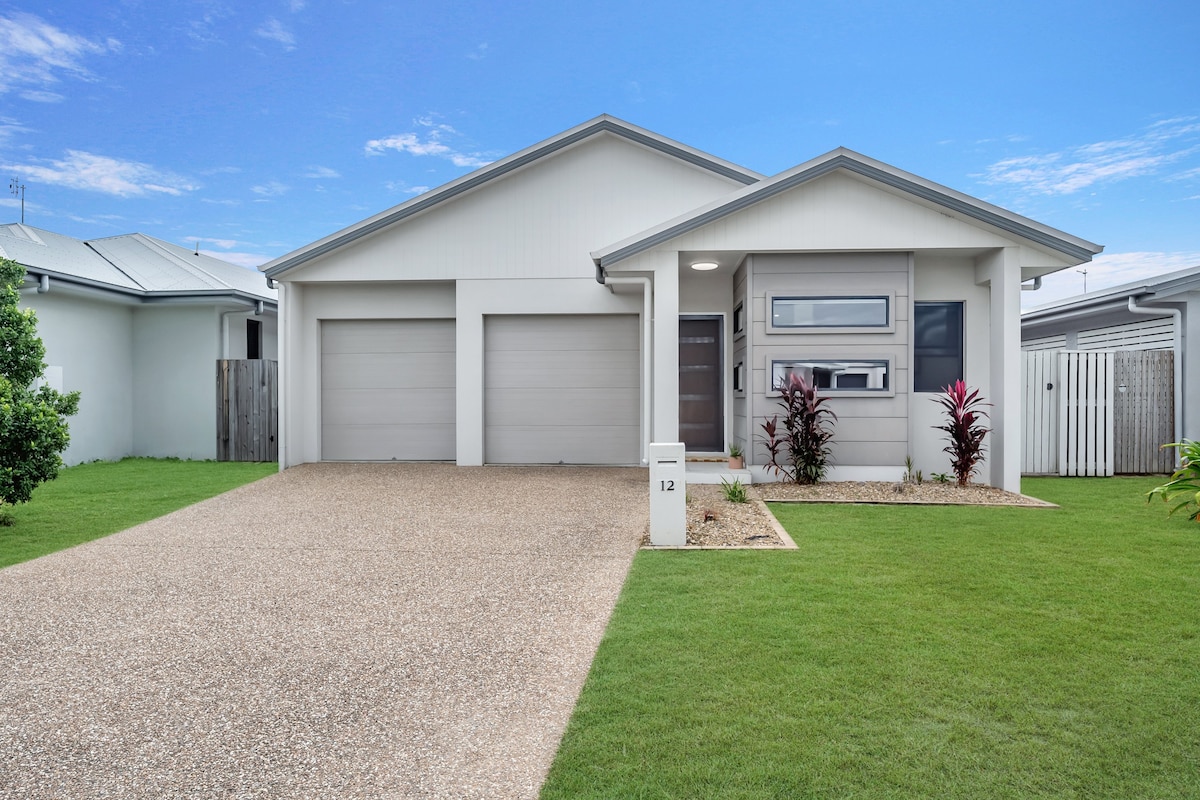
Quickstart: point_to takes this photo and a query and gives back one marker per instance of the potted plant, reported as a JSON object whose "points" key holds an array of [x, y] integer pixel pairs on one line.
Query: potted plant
{"points": [[737, 458]]}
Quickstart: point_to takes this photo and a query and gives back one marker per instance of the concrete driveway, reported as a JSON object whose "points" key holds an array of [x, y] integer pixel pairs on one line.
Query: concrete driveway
{"points": [[337, 630]]}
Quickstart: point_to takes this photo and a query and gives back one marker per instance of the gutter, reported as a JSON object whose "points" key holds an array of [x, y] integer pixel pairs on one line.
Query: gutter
{"points": [[647, 334], [1037, 284], [1177, 347]]}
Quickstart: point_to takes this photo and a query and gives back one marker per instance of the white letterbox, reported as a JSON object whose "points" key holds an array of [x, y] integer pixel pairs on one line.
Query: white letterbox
{"points": [[668, 495]]}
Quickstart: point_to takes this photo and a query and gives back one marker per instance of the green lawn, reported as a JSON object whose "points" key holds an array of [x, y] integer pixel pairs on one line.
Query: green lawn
{"points": [[907, 652], [94, 500]]}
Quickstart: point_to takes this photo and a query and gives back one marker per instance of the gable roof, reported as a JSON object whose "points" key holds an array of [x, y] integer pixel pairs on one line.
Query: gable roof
{"points": [[601, 124], [853, 162], [132, 264]]}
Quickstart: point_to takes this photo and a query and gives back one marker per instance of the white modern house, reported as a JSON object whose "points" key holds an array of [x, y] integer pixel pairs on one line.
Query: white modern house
{"points": [[137, 325], [1161, 313], [609, 287]]}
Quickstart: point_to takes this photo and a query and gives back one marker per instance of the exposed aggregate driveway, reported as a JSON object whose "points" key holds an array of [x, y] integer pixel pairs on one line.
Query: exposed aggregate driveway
{"points": [[334, 631]]}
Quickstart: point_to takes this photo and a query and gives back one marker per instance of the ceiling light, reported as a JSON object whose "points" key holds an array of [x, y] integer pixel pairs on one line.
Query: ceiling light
{"points": [[705, 266]]}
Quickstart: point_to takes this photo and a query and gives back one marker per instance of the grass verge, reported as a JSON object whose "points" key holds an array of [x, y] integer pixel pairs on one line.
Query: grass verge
{"points": [[903, 652], [93, 500]]}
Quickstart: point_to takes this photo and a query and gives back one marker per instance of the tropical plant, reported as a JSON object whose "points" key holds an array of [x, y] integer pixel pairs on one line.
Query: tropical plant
{"points": [[33, 425], [734, 492], [801, 450], [963, 414], [735, 450], [911, 476], [941, 477], [1184, 485]]}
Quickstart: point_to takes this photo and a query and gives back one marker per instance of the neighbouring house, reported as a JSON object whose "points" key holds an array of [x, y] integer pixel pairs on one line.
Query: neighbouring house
{"points": [[137, 325], [609, 287], [1143, 330]]}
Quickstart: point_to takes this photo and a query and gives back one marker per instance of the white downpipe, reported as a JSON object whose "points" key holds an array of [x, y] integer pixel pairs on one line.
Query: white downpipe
{"points": [[647, 351], [281, 346], [1177, 346]]}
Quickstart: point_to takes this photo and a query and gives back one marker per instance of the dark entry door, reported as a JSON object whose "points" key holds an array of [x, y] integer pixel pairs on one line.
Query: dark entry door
{"points": [[701, 421]]}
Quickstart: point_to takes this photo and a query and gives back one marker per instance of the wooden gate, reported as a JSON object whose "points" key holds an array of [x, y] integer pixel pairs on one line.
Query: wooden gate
{"points": [[247, 410], [1144, 407], [1097, 412]]}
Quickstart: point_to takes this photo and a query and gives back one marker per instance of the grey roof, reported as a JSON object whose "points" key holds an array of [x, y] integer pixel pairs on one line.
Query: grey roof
{"points": [[1159, 286], [132, 264], [848, 160], [601, 124]]}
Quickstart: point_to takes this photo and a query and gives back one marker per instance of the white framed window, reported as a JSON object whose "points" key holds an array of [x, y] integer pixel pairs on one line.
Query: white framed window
{"points": [[858, 376], [739, 378], [792, 313], [739, 320]]}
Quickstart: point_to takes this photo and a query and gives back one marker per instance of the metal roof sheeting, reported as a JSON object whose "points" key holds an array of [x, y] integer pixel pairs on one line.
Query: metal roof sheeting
{"points": [[132, 263]]}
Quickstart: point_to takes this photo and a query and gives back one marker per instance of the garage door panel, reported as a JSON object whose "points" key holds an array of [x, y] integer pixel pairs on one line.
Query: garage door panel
{"points": [[400, 442], [388, 390], [388, 406], [387, 336], [388, 370], [572, 333], [559, 369], [562, 389], [562, 445], [585, 409]]}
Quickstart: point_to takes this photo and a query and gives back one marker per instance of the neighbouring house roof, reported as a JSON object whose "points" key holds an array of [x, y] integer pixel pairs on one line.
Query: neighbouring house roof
{"points": [[601, 124], [133, 264], [1158, 287], [853, 162]]}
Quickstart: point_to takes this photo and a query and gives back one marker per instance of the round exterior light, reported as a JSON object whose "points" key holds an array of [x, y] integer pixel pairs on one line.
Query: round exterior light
{"points": [[705, 266]]}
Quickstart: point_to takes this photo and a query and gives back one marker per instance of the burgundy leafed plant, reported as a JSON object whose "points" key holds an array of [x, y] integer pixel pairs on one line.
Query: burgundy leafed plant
{"points": [[803, 444], [963, 424]]}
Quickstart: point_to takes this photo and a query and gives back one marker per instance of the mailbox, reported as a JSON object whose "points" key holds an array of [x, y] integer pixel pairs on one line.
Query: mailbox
{"points": [[668, 495]]}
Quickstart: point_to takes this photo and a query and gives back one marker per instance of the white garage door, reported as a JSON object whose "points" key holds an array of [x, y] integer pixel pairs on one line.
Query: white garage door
{"points": [[387, 390], [561, 390]]}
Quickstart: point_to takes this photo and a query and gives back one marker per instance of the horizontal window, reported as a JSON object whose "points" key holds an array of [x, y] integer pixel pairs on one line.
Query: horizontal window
{"points": [[834, 375], [831, 312]]}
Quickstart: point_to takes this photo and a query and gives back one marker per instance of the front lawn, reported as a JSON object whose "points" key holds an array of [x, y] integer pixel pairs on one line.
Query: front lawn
{"points": [[94, 500], [907, 652]]}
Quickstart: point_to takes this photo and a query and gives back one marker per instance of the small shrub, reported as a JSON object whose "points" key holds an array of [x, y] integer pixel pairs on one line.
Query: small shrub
{"points": [[801, 451], [966, 434], [912, 476], [735, 450], [734, 492], [941, 477], [1184, 485]]}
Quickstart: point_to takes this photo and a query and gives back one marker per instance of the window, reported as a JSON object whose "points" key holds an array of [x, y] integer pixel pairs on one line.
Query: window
{"points": [[739, 320], [739, 379], [831, 312], [937, 345], [833, 375], [253, 338]]}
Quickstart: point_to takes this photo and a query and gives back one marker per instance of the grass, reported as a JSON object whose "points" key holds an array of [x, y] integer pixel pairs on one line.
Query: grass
{"points": [[907, 652], [94, 500]]}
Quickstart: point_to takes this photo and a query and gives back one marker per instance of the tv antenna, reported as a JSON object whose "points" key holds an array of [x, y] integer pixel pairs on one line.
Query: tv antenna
{"points": [[18, 190], [1083, 272]]}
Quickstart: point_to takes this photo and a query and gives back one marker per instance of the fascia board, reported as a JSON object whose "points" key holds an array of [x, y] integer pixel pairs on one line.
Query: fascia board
{"points": [[877, 171], [473, 180], [142, 296]]}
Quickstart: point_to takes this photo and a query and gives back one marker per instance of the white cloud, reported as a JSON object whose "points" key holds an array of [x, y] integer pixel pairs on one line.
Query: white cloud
{"points": [[401, 186], [322, 173], [479, 53], [1077, 168], [1108, 270], [34, 53], [96, 173], [41, 96], [271, 189], [247, 260], [273, 29], [296, 6], [432, 142]]}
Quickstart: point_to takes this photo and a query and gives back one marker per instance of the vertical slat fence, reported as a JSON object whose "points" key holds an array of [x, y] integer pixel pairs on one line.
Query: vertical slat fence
{"points": [[1145, 411], [1039, 385], [1085, 413], [247, 410]]}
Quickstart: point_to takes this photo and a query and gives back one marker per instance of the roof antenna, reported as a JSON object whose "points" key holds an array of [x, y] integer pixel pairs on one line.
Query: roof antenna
{"points": [[18, 190], [197, 247]]}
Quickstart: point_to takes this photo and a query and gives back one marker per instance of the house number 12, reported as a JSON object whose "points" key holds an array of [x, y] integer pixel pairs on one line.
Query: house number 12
{"points": [[666, 486]]}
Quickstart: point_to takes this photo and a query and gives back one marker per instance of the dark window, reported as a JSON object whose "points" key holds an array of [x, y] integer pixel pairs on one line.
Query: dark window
{"points": [[830, 312], [937, 345], [739, 319], [253, 338]]}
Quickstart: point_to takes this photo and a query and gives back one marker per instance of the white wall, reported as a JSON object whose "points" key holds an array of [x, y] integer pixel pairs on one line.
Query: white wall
{"points": [[175, 350], [234, 327], [92, 341]]}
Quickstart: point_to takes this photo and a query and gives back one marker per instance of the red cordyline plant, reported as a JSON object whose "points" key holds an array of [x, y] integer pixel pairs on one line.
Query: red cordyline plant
{"points": [[801, 450], [963, 424]]}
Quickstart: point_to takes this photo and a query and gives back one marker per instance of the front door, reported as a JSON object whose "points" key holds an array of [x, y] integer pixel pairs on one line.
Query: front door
{"points": [[701, 417]]}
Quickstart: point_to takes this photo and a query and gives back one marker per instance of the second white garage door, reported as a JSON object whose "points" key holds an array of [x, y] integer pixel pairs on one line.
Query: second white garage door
{"points": [[561, 390], [387, 390]]}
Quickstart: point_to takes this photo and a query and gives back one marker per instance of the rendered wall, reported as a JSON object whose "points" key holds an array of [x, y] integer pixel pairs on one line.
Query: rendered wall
{"points": [[91, 341], [175, 350]]}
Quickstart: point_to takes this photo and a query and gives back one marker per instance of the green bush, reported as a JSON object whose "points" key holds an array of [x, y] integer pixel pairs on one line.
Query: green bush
{"points": [[1184, 487], [734, 492]]}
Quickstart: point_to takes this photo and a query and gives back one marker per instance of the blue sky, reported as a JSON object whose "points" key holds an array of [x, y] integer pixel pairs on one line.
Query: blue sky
{"points": [[257, 127]]}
